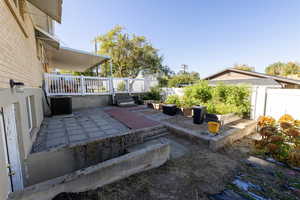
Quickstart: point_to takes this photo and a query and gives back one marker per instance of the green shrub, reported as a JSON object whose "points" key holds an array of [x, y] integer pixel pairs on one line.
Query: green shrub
{"points": [[153, 94], [121, 86], [200, 91], [188, 102], [221, 99], [220, 92], [173, 99], [182, 79]]}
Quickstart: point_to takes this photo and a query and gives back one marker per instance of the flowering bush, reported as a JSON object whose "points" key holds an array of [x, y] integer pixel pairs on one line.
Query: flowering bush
{"points": [[280, 139]]}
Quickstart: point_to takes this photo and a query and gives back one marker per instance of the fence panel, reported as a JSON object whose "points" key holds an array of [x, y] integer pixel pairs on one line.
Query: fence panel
{"points": [[136, 85], [88, 85], [275, 102], [283, 101]]}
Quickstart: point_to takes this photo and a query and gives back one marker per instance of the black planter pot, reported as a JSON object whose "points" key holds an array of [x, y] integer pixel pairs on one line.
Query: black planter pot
{"points": [[169, 109], [199, 114]]}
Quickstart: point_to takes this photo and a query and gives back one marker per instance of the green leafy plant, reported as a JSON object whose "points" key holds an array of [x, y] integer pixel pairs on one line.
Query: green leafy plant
{"points": [[220, 99], [153, 94], [173, 99], [188, 102], [201, 91], [121, 86]]}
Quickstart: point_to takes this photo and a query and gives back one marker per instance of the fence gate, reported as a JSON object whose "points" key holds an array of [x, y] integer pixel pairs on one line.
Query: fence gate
{"points": [[283, 101], [275, 102]]}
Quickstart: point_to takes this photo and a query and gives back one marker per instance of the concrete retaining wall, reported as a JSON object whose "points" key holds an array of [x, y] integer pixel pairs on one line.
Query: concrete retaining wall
{"points": [[50, 164], [98, 175], [217, 142], [89, 101]]}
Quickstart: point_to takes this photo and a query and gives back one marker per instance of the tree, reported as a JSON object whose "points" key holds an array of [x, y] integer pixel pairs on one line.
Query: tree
{"points": [[130, 54], [275, 69], [244, 67], [183, 79], [283, 69]]}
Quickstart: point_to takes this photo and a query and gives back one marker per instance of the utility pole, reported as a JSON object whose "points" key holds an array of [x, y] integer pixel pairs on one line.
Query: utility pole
{"points": [[184, 68], [96, 50]]}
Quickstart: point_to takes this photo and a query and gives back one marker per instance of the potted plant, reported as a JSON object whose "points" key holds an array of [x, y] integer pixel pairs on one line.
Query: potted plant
{"points": [[153, 97], [170, 105], [186, 106]]}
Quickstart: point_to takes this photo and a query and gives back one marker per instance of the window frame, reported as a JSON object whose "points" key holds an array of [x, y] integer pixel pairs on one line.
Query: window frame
{"points": [[29, 111]]}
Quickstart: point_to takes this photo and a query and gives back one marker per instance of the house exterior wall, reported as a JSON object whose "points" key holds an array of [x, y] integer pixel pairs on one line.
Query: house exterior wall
{"points": [[232, 75], [239, 76], [19, 61], [18, 52]]}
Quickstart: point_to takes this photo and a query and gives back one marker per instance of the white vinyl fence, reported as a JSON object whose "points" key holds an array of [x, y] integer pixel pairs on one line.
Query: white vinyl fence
{"points": [[275, 102], [88, 85]]}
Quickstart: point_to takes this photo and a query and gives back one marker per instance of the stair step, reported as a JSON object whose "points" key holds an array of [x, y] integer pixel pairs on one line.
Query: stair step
{"points": [[155, 132], [156, 136]]}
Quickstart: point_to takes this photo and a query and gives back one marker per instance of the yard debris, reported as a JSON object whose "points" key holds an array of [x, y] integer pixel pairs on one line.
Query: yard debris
{"points": [[227, 195], [247, 186]]}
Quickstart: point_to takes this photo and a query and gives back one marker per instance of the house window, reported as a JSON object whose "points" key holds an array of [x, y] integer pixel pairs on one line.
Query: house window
{"points": [[29, 110]]}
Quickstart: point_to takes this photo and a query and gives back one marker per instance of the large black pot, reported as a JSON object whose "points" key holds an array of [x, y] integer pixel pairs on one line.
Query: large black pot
{"points": [[199, 114], [169, 109]]}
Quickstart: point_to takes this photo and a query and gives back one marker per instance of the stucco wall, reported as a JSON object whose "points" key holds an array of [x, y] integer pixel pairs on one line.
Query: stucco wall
{"points": [[79, 102], [25, 137]]}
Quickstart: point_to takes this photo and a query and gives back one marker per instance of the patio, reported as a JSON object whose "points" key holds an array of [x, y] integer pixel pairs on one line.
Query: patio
{"points": [[82, 126]]}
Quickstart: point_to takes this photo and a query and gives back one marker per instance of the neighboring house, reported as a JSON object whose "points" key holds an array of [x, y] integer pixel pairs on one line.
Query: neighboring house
{"points": [[236, 76], [28, 48]]}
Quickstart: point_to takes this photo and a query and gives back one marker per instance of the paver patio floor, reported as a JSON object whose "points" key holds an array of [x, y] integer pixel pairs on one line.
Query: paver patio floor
{"points": [[84, 125]]}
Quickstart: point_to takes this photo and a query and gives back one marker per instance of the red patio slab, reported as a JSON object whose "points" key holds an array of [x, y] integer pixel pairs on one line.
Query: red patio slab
{"points": [[131, 119]]}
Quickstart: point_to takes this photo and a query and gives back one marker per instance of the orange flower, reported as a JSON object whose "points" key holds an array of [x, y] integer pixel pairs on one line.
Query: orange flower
{"points": [[285, 125], [265, 121], [286, 118], [276, 138], [293, 132], [272, 147]]}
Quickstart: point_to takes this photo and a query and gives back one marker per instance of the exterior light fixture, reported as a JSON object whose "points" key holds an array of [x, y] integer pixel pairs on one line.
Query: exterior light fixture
{"points": [[17, 85]]}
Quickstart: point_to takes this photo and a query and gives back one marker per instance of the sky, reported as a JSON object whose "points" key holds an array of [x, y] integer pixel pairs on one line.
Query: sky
{"points": [[207, 35]]}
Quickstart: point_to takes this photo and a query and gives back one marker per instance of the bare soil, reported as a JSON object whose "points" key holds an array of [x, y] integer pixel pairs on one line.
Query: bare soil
{"points": [[197, 175]]}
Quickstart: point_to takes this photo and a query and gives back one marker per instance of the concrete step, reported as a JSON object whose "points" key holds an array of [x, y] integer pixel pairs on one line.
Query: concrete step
{"points": [[147, 144], [155, 132], [153, 137]]}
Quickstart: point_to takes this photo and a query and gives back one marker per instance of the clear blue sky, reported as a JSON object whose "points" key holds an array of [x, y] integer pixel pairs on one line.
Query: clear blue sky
{"points": [[207, 35]]}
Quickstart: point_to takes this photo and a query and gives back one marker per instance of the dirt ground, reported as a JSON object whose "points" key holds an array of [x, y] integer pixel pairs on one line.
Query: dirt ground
{"points": [[199, 174]]}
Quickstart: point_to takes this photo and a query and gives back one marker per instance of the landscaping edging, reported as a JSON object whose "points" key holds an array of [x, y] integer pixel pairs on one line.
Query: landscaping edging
{"points": [[214, 142], [228, 118]]}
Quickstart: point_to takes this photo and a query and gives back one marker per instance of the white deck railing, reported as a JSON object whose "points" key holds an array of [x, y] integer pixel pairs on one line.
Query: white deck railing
{"points": [[89, 85]]}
